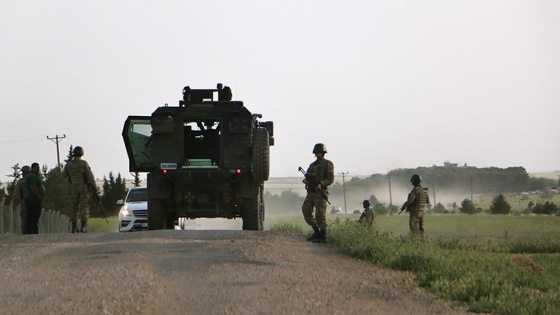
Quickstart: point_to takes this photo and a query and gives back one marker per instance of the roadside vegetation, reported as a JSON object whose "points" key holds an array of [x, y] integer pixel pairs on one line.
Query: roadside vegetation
{"points": [[488, 263]]}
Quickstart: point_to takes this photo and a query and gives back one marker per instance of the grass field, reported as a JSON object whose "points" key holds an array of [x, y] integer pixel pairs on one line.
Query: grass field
{"points": [[504, 264]]}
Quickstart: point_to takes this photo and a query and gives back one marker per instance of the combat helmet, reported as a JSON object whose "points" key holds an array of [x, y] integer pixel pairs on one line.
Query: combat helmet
{"points": [[415, 179], [78, 151], [366, 203], [319, 147]]}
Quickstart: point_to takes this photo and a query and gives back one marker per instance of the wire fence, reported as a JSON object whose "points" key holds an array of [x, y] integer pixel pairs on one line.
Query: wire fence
{"points": [[50, 222]]}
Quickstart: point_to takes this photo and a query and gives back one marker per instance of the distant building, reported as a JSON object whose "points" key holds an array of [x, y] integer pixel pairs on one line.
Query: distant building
{"points": [[449, 164]]}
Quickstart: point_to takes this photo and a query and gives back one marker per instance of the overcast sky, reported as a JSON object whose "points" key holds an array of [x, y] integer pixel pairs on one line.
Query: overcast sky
{"points": [[384, 84]]}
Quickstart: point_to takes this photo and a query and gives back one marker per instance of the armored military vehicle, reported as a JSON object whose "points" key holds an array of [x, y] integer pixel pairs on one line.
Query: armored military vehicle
{"points": [[208, 157]]}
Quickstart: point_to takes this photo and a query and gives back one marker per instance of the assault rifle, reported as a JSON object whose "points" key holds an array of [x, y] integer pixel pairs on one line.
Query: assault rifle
{"points": [[313, 183], [405, 206], [97, 201]]}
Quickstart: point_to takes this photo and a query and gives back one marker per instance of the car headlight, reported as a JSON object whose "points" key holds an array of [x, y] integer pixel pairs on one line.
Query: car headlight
{"points": [[125, 212]]}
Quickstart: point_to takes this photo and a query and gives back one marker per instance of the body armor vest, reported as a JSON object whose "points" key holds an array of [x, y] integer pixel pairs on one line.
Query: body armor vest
{"points": [[422, 198], [77, 171]]}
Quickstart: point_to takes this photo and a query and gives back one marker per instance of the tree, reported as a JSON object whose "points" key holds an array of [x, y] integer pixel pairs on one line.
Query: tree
{"points": [[58, 192], [3, 193], [16, 175], [439, 208], [136, 179], [546, 208], [500, 205], [373, 200], [380, 209], [113, 190], [467, 207], [70, 154]]}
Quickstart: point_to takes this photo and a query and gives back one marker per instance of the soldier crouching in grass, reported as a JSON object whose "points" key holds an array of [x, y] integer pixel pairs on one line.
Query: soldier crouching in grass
{"points": [[368, 216], [319, 176], [416, 203]]}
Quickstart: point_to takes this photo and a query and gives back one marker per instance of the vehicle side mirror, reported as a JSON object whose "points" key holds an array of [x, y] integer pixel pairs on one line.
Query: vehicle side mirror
{"points": [[120, 202]]}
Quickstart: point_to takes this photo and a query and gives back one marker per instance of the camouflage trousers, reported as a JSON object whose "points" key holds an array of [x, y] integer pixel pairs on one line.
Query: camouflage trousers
{"points": [[80, 206], [22, 216], [416, 222], [315, 200]]}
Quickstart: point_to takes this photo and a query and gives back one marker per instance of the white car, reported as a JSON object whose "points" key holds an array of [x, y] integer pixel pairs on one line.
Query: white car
{"points": [[134, 211], [336, 210]]}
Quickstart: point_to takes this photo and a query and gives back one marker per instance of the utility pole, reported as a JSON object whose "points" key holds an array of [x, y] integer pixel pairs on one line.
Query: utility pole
{"points": [[434, 193], [344, 188], [472, 178], [434, 188], [390, 195], [56, 139]]}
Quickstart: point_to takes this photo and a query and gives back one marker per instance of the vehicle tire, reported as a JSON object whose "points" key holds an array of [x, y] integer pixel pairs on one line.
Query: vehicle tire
{"points": [[157, 217], [261, 155], [170, 221], [253, 212]]}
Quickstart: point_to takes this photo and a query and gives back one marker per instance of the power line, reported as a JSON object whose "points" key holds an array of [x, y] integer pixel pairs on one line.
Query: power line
{"points": [[56, 140], [344, 188]]}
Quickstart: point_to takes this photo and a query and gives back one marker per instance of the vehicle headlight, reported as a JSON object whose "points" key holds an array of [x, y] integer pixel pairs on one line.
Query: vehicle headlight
{"points": [[125, 212]]}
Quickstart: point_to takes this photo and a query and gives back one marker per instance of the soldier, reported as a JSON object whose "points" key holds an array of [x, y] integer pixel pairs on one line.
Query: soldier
{"points": [[81, 178], [416, 202], [33, 195], [320, 175], [17, 200], [368, 216]]}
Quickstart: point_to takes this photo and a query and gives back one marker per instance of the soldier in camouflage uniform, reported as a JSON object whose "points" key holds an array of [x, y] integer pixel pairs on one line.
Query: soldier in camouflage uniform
{"points": [[81, 179], [321, 174], [17, 199], [368, 216], [416, 203]]}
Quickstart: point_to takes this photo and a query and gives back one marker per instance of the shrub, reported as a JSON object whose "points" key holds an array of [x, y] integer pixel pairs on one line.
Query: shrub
{"points": [[546, 208], [467, 207], [500, 205]]}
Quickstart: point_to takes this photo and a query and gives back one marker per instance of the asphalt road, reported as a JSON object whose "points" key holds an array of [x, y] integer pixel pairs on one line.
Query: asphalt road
{"points": [[198, 272]]}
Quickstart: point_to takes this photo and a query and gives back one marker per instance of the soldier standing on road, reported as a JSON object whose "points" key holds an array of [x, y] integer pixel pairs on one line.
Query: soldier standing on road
{"points": [[416, 203], [320, 175], [33, 195], [81, 178], [17, 200], [368, 216]]}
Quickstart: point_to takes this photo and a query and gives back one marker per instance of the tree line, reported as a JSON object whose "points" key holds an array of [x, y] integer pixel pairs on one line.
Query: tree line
{"points": [[478, 180]]}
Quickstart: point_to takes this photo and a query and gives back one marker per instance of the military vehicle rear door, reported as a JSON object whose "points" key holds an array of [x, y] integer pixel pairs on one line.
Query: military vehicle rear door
{"points": [[137, 135]]}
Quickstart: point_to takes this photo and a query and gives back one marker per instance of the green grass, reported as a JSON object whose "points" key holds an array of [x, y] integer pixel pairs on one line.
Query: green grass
{"points": [[467, 259]]}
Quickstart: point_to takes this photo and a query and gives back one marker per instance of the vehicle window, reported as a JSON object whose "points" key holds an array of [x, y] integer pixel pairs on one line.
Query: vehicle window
{"points": [[138, 195]]}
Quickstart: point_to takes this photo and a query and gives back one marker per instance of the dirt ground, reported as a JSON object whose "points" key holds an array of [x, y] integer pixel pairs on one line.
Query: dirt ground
{"points": [[198, 272]]}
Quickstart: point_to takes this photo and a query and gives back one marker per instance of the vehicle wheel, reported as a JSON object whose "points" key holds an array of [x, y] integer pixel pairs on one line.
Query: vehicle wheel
{"points": [[253, 213], [170, 221], [156, 214], [261, 155]]}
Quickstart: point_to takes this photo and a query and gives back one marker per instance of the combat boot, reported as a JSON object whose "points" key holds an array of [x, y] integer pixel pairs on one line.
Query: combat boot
{"points": [[83, 227], [322, 237], [315, 234], [75, 227]]}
